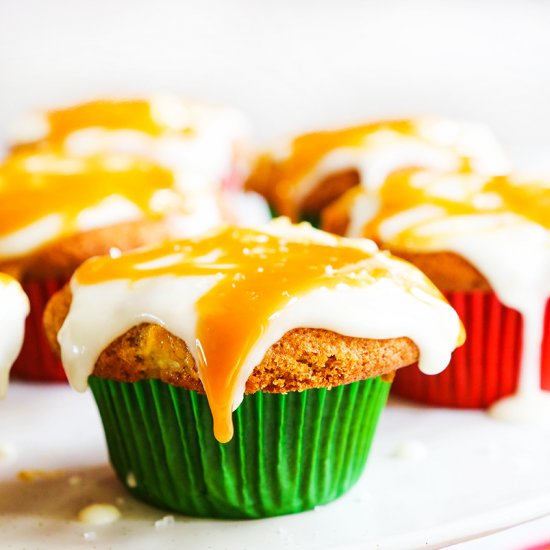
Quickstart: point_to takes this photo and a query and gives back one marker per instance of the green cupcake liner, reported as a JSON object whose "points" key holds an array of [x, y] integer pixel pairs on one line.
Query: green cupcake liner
{"points": [[290, 452]]}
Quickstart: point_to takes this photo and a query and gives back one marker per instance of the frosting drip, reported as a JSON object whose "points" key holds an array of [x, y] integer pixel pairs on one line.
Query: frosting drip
{"points": [[234, 293], [14, 308]]}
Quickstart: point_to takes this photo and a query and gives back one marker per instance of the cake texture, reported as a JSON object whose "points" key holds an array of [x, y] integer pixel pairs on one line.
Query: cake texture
{"points": [[259, 358]]}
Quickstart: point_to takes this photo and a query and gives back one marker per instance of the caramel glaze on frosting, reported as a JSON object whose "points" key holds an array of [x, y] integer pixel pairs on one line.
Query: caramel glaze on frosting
{"points": [[14, 307], [318, 167], [495, 227], [36, 186], [48, 201], [234, 293], [204, 145]]}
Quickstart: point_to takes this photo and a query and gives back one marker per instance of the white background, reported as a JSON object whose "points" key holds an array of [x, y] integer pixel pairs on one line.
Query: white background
{"points": [[292, 64]]}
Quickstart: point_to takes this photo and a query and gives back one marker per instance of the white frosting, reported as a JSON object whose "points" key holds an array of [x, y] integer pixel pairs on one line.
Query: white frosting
{"points": [[383, 309], [512, 252], [14, 308], [438, 144], [31, 237]]}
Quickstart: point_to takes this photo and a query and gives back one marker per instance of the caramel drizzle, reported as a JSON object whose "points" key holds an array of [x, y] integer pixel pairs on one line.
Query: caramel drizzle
{"points": [[258, 274], [107, 114], [309, 149], [399, 194], [33, 186]]}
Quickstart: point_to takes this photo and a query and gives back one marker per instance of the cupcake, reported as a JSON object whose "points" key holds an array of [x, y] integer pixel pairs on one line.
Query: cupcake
{"points": [[93, 185], [14, 307], [485, 243], [305, 175], [241, 374]]}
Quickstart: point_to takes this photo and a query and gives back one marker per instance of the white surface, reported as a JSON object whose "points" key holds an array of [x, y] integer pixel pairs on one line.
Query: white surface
{"points": [[477, 476]]}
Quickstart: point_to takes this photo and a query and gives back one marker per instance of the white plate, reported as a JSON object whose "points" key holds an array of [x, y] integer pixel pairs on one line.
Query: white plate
{"points": [[477, 476]]}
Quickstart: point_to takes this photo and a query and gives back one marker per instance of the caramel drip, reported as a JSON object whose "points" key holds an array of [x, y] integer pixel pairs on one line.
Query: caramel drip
{"points": [[258, 274], [35, 186], [401, 193]]}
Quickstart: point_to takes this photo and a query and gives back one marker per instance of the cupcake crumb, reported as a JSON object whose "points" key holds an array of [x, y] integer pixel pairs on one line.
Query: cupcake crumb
{"points": [[131, 480], [89, 536], [166, 521], [120, 501], [99, 514], [410, 450], [8, 453]]}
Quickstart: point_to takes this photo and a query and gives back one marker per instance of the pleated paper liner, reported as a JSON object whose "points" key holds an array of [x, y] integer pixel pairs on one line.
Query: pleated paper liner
{"points": [[486, 367], [290, 452], [36, 362]]}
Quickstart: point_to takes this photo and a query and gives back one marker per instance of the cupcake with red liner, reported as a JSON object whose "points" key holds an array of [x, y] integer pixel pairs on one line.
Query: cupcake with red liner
{"points": [[485, 242], [14, 307], [61, 204], [211, 362], [309, 172]]}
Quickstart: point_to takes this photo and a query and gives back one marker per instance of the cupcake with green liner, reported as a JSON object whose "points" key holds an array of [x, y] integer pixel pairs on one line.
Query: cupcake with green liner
{"points": [[241, 374]]}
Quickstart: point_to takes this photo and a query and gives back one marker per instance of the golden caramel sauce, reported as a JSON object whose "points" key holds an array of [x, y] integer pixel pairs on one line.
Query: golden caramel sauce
{"points": [[33, 186], [402, 192], [258, 274]]}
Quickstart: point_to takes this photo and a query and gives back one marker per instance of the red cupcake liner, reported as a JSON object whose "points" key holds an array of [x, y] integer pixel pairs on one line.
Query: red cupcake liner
{"points": [[36, 361], [486, 367]]}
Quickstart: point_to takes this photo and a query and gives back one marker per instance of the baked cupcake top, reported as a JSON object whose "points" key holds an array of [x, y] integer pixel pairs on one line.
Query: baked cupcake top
{"points": [[313, 169], [499, 225], [14, 308], [234, 293], [201, 144]]}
